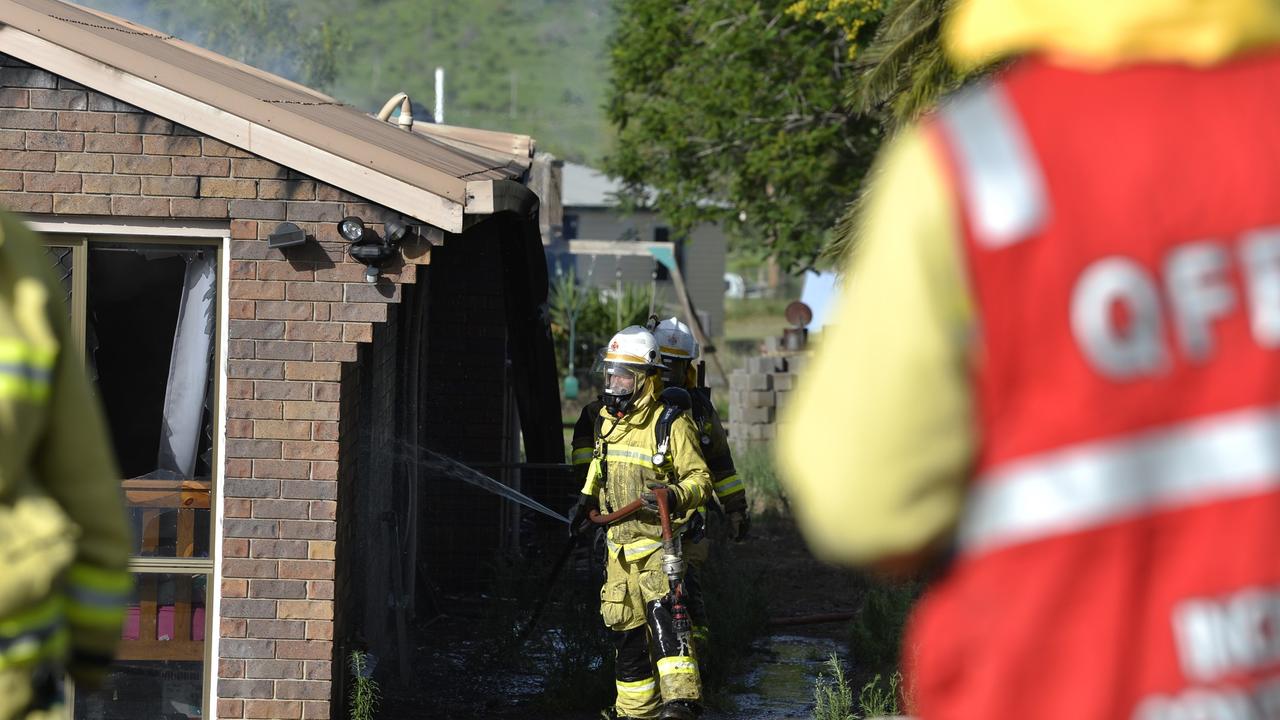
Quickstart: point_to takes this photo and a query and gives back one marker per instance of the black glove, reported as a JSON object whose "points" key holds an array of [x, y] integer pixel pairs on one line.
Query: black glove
{"points": [[578, 514], [651, 502], [739, 524]]}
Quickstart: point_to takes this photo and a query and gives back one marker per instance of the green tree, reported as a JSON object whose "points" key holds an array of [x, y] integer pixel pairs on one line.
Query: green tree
{"points": [[901, 73], [733, 111]]}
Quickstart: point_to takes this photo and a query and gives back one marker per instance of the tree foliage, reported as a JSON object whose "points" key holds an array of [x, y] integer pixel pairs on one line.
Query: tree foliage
{"points": [[902, 71], [733, 111]]}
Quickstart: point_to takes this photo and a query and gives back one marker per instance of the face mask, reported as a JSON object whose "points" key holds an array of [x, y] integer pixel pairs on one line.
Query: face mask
{"points": [[677, 373], [620, 385]]}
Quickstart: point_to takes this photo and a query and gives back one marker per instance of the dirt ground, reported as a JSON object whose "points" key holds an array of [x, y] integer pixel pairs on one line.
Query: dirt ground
{"points": [[462, 668]]}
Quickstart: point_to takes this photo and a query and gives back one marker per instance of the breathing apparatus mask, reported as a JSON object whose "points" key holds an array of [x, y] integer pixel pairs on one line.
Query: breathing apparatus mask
{"points": [[622, 383], [677, 373]]}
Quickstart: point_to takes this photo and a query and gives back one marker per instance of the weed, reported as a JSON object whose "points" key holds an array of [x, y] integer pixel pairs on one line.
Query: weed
{"points": [[736, 611], [832, 696], [365, 693], [876, 633], [877, 699]]}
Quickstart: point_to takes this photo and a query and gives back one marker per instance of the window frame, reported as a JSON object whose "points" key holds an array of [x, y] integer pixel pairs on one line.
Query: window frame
{"points": [[79, 234]]}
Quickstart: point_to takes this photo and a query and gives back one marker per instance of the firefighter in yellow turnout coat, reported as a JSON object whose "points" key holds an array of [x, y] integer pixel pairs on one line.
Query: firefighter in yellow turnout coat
{"points": [[621, 470], [63, 537]]}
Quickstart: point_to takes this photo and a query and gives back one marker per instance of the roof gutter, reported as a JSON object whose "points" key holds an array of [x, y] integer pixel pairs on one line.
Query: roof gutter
{"points": [[489, 197]]}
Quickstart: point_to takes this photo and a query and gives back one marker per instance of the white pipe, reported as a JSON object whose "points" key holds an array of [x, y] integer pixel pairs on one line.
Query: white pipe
{"points": [[405, 121], [439, 114]]}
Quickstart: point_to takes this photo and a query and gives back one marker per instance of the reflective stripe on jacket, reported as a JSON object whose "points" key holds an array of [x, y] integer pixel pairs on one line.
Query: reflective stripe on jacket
{"points": [[54, 446], [624, 450]]}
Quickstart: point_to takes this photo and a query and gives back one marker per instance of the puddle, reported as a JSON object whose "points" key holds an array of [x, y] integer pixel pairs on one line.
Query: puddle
{"points": [[780, 686]]}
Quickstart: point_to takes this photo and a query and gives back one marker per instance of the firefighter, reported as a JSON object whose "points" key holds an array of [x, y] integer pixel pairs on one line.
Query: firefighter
{"points": [[63, 537], [679, 350], [1056, 362], [633, 599]]}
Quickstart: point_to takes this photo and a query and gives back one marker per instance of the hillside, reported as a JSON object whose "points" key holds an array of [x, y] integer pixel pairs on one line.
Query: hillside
{"points": [[531, 66]]}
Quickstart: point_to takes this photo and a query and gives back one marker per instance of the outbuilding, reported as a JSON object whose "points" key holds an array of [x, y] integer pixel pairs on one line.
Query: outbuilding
{"points": [[286, 416]]}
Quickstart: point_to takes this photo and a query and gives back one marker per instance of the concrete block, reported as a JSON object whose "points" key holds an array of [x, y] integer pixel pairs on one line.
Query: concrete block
{"points": [[781, 398], [783, 381], [760, 398], [759, 381], [758, 415]]}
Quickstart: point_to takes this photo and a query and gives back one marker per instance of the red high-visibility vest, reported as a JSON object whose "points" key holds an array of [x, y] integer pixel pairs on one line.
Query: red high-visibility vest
{"points": [[1119, 555]]}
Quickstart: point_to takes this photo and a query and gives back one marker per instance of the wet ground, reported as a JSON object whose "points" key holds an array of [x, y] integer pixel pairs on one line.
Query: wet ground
{"points": [[780, 685], [464, 669]]}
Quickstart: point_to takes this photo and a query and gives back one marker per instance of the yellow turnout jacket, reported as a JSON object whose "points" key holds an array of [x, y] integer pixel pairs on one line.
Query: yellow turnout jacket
{"points": [[64, 542], [622, 467]]}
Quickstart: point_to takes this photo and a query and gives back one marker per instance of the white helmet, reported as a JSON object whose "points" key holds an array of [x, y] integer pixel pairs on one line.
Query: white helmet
{"points": [[678, 349], [630, 357], [675, 340]]}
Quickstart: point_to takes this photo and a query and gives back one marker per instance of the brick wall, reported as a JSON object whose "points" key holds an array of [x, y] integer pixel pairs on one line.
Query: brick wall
{"points": [[293, 321]]}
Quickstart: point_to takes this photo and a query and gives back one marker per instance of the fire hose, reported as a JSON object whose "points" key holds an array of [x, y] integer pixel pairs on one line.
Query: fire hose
{"points": [[672, 565]]}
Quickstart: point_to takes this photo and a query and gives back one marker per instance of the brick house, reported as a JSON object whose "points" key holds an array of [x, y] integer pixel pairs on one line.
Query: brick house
{"points": [[280, 420]]}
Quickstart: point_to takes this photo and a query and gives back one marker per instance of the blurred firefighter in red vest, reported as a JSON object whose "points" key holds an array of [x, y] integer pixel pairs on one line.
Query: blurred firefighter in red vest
{"points": [[1059, 358]]}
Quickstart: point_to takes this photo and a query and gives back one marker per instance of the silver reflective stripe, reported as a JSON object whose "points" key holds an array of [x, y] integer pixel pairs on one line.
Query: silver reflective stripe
{"points": [[1084, 487], [1004, 191]]}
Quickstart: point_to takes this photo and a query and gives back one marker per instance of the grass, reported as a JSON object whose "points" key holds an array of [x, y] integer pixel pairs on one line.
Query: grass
{"points": [[765, 494], [875, 639], [833, 695], [746, 323], [878, 699]]}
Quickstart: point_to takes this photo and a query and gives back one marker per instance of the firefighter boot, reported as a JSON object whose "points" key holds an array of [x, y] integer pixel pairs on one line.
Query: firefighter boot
{"points": [[680, 710]]}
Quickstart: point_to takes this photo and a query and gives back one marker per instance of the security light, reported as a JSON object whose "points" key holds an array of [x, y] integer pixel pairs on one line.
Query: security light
{"points": [[286, 235], [395, 231], [351, 228]]}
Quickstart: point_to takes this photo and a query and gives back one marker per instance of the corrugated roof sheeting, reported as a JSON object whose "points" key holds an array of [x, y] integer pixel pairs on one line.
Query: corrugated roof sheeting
{"points": [[435, 164]]}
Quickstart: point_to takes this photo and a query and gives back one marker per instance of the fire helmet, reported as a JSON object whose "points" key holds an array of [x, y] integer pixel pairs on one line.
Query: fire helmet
{"points": [[630, 358], [678, 348]]}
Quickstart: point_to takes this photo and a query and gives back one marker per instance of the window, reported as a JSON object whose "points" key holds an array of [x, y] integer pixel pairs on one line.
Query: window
{"points": [[144, 312]]}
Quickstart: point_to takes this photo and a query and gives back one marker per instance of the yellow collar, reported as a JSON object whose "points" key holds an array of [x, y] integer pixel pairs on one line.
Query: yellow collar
{"points": [[1097, 34]]}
